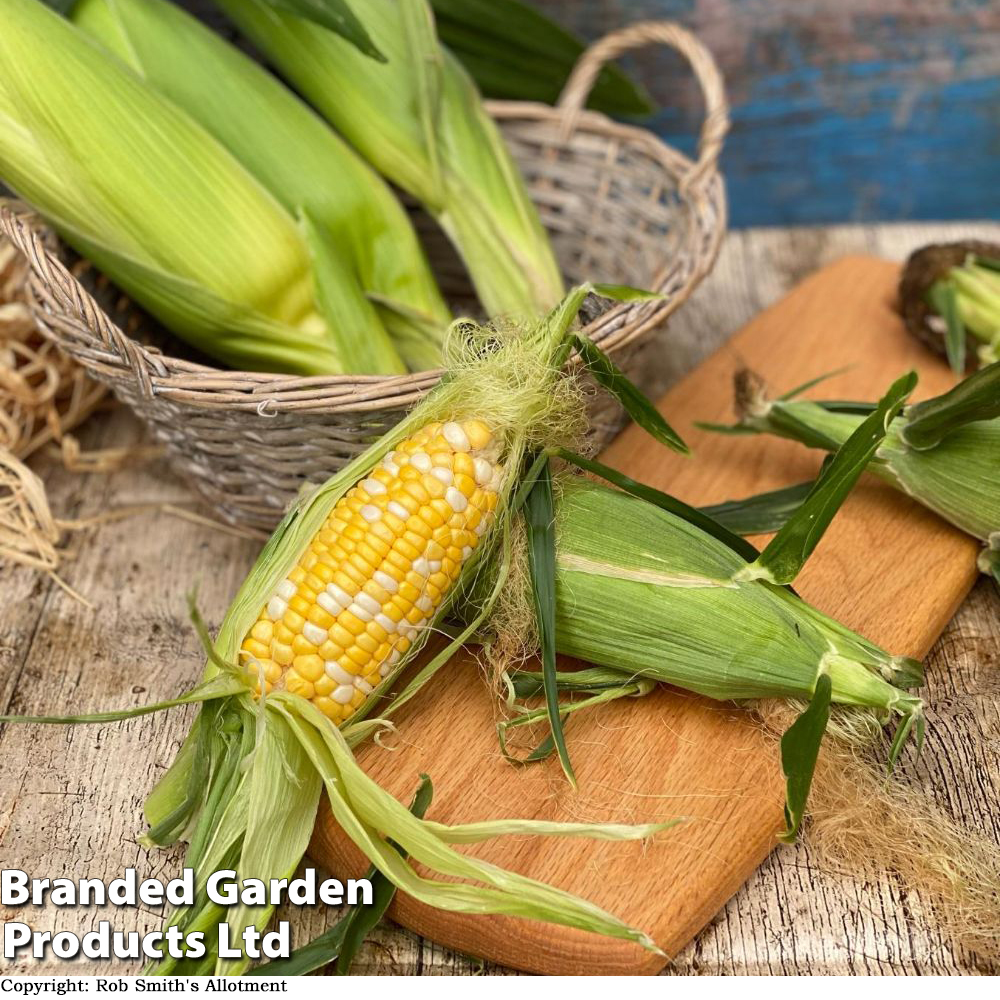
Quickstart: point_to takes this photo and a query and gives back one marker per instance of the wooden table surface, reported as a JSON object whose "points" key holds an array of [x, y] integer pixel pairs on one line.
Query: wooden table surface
{"points": [[70, 798]]}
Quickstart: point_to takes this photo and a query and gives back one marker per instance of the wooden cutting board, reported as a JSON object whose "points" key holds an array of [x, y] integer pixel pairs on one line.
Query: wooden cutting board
{"points": [[671, 753]]}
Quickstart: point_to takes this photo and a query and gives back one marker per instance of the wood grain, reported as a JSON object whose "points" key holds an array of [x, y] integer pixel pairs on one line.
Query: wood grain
{"points": [[70, 799], [870, 572]]}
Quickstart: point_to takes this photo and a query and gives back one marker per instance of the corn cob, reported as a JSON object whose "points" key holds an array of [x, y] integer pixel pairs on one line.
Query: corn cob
{"points": [[376, 572], [158, 204], [291, 151], [418, 119]]}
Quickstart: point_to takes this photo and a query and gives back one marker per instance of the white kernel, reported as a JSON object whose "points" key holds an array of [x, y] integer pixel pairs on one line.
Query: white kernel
{"points": [[456, 499], [373, 487], [385, 669], [466, 552], [421, 461], [337, 673], [385, 581], [360, 612], [276, 607], [483, 471], [434, 565], [394, 657], [343, 694], [390, 467], [445, 475], [421, 566], [370, 512], [341, 596], [368, 602], [399, 510], [455, 436], [386, 622], [286, 590], [313, 633], [480, 528], [494, 484], [362, 685], [328, 604], [425, 604]]}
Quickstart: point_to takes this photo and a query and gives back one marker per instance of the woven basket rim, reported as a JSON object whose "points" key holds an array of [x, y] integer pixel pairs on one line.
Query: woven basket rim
{"points": [[109, 353]]}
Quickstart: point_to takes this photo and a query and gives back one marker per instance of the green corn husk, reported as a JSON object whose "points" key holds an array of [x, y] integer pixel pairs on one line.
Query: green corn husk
{"points": [[944, 453], [640, 586], [292, 152], [418, 119], [159, 205]]}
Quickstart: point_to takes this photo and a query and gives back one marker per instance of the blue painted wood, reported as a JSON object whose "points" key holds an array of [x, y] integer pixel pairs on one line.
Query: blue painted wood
{"points": [[842, 109]]}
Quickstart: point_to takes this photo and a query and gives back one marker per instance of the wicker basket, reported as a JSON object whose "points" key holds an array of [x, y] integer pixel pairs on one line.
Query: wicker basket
{"points": [[620, 206]]}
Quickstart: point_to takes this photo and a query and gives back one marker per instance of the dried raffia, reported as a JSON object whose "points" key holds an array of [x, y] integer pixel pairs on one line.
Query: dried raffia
{"points": [[42, 392]]}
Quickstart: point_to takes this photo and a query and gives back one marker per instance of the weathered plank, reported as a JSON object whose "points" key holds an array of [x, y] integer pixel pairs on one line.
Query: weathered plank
{"points": [[70, 799], [841, 109]]}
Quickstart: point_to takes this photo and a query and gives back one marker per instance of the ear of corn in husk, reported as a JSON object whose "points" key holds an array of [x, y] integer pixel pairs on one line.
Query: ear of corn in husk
{"points": [[149, 196], [943, 452], [350, 211], [418, 119]]}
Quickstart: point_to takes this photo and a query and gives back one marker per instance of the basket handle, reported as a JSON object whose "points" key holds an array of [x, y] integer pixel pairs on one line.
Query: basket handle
{"points": [[713, 130]]}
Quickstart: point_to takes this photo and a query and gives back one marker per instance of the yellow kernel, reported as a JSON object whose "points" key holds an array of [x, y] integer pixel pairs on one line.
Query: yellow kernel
{"points": [[293, 620], [416, 525], [375, 592], [434, 551], [402, 644], [399, 563], [358, 699], [301, 646], [438, 448], [464, 466], [491, 501], [319, 617], [416, 490], [272, 671], [340, 636], [439, 580], [393, 612], [262, 631], [345, 582], [473, 515], [382, 532], [309, 560], [366, 642], [324, 686], [310, 667], [407, 592], [408, 473], [348, 664], [357, 575], [362, 565], [256, 648], [313, 583], [328, 707], [323, 572], [298, 685], [434, 593], [373, 551], [297, 575], [330, 650], [359, 657], [454, 554], [465, 484], [478, 433], [377, 632], [381, 654], [299, 604], [443, 534], [351, 622], [433, 485], [406, 549], [355, 532], [401, 604], [281, 653], [283, 633], [346, 711]]}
